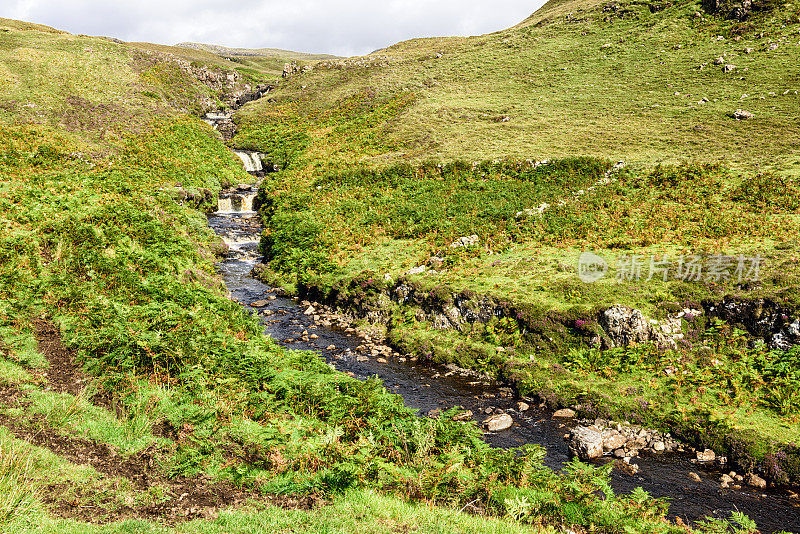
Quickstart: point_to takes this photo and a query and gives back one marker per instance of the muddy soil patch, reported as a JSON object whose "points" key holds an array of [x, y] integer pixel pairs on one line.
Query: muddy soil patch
{"points": [[184, 498]]}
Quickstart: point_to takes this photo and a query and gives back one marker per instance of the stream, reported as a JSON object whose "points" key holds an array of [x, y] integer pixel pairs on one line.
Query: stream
{"points": [[426, 387]]}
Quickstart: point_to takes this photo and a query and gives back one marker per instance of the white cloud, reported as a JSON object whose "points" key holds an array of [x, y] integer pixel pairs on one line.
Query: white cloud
{"points": [[341, 27]]}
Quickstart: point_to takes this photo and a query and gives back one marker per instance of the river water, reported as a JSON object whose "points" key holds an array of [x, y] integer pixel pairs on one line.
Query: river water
{"points": [[428, 388]]}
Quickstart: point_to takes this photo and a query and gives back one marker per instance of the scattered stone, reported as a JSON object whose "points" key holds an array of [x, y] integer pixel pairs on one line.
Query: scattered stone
{"points": [[381, 360], [465, 242], [330, 347], [259, 303], [463, 416], [497, 423], [695, 477], [613, 440], [729, 68], [748, 50], [626, 467], [417, 270], [742, 115], [659, 446], [313, 336], [586, 443], [756, 481], [523, 406], [436, 412], [362, 358], [719, 61], [565, 413], [706, 456], [726, 479]]}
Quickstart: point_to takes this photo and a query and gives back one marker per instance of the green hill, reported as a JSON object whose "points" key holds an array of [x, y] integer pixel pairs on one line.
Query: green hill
{"points": [[391, 158], [136, 397]]}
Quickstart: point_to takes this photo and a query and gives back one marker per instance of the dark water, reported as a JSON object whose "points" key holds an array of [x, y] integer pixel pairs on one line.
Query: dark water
{"points": [[427, 388]]}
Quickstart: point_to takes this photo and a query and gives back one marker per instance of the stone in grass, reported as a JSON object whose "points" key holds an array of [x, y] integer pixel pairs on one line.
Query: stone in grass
{"points": [[742, 115], [498, 423], [586, 443], [729, 68]]}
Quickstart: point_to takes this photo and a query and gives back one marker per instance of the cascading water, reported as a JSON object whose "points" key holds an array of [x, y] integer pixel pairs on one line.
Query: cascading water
{"points": [[251, 160], [428, 388], [241, 203]]}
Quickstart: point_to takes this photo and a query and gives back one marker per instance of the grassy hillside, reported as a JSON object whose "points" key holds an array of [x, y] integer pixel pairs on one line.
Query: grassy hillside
{"points": [[134, 396], [390, 158]]}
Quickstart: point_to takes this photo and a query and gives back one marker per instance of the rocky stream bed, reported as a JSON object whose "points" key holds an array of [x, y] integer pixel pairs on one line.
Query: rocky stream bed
{"points": [[696, 483]]}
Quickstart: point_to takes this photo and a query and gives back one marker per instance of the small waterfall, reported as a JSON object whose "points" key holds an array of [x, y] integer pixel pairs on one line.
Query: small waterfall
{"points": [[236, 203], [251, 160]]}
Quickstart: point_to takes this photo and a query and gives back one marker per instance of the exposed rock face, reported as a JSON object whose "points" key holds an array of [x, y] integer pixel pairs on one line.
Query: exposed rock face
{"points": [[762, 318], [290, 69], [625, 326], [586, 443], [731, 9]]}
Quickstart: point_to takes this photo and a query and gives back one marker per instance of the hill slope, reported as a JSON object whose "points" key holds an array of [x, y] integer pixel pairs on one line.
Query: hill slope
{"points": [[134, 395], [392, 161]]}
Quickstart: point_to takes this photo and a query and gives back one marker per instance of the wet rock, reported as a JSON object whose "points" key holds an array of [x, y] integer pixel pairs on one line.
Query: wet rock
{"points": [[259, 303], [626, 467], [586, 443], [706, 456], [330, 347], [463, 416], [436, 412], [756, 481], [523, 406], [499, 422], [381, 360], [564, 413], [726, 479], [659, 446], [694, 476], [613, 440]]}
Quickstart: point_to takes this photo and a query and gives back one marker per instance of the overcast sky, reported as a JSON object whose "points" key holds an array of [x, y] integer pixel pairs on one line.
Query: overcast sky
{"points": [[342, 27]]}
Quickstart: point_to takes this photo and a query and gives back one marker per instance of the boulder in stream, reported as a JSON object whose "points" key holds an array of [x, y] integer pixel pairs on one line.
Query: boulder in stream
{"points": [[586, 443], [499, 422]]}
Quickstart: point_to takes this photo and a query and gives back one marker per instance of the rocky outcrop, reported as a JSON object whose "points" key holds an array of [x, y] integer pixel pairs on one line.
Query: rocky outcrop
{"points": [[626, 326], [776, 324], [731, 9]]}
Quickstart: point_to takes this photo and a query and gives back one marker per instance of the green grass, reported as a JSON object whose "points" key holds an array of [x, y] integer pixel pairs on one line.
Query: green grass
{"points": [[98, 238], [361, 199]]}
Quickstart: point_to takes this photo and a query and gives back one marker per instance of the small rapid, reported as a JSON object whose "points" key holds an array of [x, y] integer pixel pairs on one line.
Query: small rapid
{"points": [[430, 388]]}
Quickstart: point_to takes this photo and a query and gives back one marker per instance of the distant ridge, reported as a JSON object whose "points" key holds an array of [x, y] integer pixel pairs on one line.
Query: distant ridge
{"points": [[255, 52]]}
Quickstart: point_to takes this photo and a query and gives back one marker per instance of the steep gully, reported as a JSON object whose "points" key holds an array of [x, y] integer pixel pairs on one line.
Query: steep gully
{"points": [[432, 388]]}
